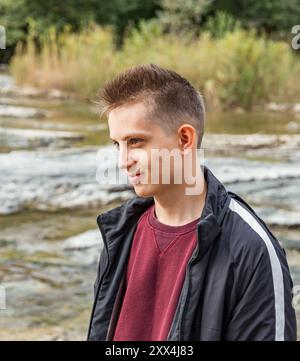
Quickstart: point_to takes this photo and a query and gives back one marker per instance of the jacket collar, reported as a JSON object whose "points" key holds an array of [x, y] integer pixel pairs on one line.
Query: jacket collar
{"points": [[120, 220]]}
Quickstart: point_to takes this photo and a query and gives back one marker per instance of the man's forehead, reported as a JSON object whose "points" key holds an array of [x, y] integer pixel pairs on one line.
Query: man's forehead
{"points": [[129, 120], [134, 110]]}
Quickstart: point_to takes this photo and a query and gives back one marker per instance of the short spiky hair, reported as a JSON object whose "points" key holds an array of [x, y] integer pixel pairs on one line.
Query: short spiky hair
{"points": [[171, 99]]}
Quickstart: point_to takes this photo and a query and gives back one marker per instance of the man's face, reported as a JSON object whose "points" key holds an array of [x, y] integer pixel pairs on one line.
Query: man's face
{"points": [[137, 138]]}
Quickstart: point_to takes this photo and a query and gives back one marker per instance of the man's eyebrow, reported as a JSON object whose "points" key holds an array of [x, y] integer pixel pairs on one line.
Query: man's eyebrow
{"points": [[131, 135]]}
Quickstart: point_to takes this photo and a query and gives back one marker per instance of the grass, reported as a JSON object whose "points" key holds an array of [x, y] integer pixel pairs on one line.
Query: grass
{"points": [[240, 69]]}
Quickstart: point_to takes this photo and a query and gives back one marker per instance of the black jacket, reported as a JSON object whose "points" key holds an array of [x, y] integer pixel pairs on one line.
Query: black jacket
{"points": [[237, 284]]}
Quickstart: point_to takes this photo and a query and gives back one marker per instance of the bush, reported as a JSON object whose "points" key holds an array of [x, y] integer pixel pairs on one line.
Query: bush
{"points": [[76, 62], [238, 69]]}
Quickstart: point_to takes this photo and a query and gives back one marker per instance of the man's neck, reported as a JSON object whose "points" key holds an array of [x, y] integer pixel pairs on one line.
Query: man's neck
{"points": [[175, 208]]}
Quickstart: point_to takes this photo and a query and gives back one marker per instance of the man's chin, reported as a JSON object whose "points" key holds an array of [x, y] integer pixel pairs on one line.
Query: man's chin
{"points": [[143, 190]]}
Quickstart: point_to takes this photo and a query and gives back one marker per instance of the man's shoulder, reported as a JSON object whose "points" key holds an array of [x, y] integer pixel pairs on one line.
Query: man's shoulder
{"points": [[248, 236], [132, 208]]}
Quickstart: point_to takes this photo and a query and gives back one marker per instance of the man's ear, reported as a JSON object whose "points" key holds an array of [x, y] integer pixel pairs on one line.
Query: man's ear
{"points": [[187, 136]]}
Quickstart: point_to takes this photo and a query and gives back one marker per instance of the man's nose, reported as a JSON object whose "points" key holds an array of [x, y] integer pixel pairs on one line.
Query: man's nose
{"points": [[125, 161]]}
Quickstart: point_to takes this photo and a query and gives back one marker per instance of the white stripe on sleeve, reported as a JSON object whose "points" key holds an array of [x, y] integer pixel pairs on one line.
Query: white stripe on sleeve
{"points": [[275, 266]]}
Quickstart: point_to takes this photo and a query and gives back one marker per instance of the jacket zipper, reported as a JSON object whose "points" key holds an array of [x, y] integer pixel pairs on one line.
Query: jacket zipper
{"points": [[187, 286], [189, 265]]}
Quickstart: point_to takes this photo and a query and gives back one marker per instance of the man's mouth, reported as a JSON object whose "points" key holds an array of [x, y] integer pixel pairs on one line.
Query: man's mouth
{"points": [[134, 177], [134, 174]]}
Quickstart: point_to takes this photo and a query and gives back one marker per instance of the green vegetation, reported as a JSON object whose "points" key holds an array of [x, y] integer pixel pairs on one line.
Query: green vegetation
{"points": [[238, 69], [18, 15], [237, 53]]}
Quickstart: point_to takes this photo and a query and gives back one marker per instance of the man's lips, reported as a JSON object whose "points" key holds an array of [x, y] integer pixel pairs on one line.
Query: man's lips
{"points": [[134, 179], [134, 175]]}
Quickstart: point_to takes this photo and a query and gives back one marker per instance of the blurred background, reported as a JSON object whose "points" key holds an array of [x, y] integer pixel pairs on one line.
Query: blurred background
{"points": [[239, 54]]}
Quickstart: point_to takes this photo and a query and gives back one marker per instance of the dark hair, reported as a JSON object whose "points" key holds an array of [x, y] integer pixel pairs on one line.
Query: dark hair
{"points": [[172, 99]]}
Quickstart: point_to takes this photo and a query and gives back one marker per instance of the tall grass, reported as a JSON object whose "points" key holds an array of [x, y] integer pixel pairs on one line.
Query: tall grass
{"points": [[72, 62], [238, 69]]}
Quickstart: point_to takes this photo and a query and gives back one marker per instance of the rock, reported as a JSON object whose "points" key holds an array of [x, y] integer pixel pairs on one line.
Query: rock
{"points": [[24, 138], [88, 239], [277, 107], [56, 94], [239, 110], [37, 133], [273, 146], [240, 171], [296, 108], [21, 112], [283, 107], [55, 179], [293, 126], [280, 217], [13, 91], [6, 80]]}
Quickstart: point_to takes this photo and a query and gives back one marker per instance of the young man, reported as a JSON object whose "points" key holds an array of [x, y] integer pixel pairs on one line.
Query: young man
{"points": [[182, 260]]}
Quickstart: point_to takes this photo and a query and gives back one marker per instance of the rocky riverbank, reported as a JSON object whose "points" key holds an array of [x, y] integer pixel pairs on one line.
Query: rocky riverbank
{"points": [[51, 194]]}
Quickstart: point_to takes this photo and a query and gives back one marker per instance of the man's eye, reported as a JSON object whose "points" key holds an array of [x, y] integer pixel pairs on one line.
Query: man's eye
{"points": [[135, 140]]}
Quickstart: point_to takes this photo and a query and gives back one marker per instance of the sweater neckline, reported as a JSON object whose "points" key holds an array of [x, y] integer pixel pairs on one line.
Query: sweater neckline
{"points": [[159, 226]]}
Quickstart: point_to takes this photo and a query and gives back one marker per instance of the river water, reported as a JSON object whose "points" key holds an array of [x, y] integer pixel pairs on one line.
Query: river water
{"points": [[50, 198]]}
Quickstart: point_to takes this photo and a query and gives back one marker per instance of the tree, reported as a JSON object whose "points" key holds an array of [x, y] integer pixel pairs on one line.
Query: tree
{"points": [[15, 16], [271, 16], [182, 16]]}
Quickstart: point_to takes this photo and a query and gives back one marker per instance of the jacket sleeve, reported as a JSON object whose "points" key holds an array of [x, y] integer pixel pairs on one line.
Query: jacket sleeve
{"points": [[101, 267], [263, 309]]}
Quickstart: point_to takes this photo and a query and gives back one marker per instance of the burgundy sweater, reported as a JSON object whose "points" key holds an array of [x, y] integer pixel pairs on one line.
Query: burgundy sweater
{"points": [[154, 278]]}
